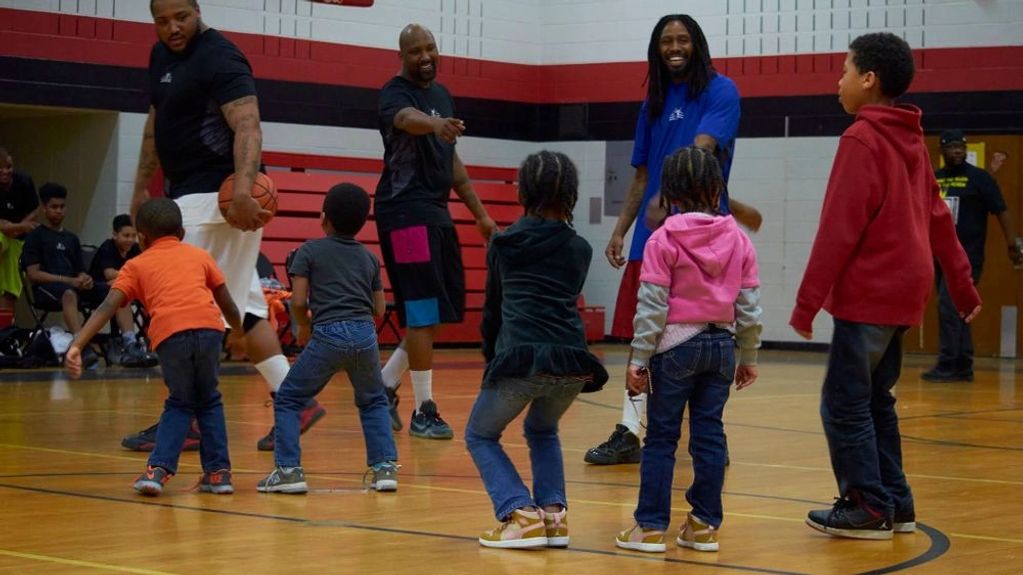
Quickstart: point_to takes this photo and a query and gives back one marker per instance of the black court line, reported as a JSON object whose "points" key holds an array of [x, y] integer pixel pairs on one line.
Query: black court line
{"points": [[432, 476], [940, 543], [925, 440], [300, 520]]}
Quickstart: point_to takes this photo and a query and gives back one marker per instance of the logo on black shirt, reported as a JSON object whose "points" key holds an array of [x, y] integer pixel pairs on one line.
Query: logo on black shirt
{"points": [[434, 113], [60, 247], [166, 79]]}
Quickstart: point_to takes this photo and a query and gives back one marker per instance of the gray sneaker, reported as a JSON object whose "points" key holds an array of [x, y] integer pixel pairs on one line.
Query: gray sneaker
{"points": [[385, 476], [427, 423], [283, 480]]}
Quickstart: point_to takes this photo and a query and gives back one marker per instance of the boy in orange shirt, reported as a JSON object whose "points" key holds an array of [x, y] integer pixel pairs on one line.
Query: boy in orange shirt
{"points": [[182, 289]]}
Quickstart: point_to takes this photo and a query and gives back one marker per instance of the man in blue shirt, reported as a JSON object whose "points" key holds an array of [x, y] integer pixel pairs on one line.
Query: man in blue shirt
{"points": [[688, 102]]}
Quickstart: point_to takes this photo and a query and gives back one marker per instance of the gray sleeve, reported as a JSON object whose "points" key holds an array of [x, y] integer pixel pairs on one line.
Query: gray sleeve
{"points": [[651, 316], [747, 325]]}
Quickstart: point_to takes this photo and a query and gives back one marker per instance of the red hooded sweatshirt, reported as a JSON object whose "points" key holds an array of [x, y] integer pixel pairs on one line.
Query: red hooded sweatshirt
{"points": [[882, 225]]}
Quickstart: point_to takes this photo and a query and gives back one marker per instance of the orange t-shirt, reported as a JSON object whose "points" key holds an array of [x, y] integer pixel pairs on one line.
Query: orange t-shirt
{"points": [[175, 283]]}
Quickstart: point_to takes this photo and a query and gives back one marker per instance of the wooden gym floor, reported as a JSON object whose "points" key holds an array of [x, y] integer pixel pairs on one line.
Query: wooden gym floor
{"points": [[66, 503]]}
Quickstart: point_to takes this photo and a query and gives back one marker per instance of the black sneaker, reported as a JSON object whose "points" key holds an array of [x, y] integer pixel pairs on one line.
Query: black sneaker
{"points": [[145, 440], [116, 349], [90, 359], [938, 375], [392, 408], [427, 423], [622, 447], [135, 355], [847, 519], [904, 520]]}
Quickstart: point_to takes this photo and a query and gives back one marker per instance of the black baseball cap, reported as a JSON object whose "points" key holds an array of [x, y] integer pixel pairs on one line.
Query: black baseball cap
{"points": [[952, 137]]}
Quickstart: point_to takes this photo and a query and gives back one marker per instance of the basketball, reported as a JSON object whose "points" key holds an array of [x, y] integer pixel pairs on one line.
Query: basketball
{"points": [[263, 191]]}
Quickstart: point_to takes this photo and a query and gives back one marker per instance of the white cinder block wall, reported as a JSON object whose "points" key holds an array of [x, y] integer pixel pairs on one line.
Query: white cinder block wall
{"points": [[784, 177]]}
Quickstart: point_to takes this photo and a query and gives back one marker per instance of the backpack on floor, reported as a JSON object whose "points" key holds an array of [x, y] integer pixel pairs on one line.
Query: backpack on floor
{"points": [[26, 349]]}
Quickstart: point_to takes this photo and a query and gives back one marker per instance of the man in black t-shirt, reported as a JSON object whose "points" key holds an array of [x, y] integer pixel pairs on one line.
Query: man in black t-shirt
{"points": [[417, 237], [971, 194], [203, 126], [18, 203]]}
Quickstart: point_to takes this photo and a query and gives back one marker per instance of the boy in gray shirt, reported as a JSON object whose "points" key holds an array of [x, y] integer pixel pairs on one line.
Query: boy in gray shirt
{"points": [[339, 280]]}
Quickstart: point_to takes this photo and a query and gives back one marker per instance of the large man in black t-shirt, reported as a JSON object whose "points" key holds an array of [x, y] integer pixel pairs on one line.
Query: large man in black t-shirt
{"points": [[417, 237], [203, 126], [18, 203], [971, 194]]}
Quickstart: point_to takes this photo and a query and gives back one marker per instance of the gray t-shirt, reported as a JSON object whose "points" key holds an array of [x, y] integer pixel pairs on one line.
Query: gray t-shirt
{"points": [[342, 277]]}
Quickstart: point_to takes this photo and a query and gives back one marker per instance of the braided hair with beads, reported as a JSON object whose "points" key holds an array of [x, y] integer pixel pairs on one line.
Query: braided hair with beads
{"points": [[691, 179], [548, 181]]}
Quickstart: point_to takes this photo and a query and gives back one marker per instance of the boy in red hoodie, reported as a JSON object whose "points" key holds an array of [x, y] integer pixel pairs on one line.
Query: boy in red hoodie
{"points": [[882, 223]]}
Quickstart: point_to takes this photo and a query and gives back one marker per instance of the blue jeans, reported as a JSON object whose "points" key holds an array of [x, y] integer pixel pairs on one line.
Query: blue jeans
{"points": [[955, 340], [190, 361], [347, 345], [548, 397], [698, 372], [858, 412]]}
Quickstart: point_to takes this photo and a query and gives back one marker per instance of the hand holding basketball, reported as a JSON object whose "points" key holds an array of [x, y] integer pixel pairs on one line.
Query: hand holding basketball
{"points": [[248, 213]]}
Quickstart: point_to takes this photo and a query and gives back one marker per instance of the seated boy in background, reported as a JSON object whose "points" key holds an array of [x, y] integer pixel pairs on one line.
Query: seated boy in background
{"points": [[128, 350]]}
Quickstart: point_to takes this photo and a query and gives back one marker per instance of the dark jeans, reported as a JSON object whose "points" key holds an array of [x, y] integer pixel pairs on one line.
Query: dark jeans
{"points": [[548, 397], [698, 372], [190, 361], [347, 345], [858, 412], [955, 340]]}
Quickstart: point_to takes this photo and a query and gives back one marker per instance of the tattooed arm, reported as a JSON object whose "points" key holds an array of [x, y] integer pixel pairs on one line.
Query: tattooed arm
{"points": [[242, 116], [149, 162]]}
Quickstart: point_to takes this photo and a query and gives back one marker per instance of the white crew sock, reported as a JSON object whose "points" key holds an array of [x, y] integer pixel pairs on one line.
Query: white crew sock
{"points": [[422, 386], [633, 408], [394, 368], [273, 369]]}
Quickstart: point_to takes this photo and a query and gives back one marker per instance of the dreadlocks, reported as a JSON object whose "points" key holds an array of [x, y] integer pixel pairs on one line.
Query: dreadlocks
{"points": [[692, 178], [548, 180], [699, 70]]}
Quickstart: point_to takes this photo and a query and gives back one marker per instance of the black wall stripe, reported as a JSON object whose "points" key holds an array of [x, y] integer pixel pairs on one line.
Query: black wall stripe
{"points": [[50, 83]]}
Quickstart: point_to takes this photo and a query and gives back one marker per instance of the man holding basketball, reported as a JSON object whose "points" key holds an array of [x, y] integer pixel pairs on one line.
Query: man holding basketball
{"points": [[417, 237], [688, 102], [203, 126]]}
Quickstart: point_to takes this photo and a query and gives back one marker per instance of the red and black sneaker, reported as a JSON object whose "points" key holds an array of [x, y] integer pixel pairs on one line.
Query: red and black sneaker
{"points": [[306, 419], [146, 439], [853, 518]]}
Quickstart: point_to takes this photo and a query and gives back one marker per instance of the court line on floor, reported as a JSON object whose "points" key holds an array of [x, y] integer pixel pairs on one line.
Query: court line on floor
{"points": [[820, 433], [77, 563], [987, 538], [373, 528]]}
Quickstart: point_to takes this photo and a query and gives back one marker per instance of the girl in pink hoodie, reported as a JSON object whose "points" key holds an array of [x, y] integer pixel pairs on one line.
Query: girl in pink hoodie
{"points": [[699, 300]]}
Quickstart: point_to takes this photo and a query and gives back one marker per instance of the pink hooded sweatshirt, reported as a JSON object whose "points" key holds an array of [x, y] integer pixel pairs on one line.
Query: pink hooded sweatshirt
{"points": [[704, 261]]}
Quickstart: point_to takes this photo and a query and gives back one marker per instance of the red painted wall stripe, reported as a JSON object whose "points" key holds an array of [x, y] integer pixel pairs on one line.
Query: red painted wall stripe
{"points": [[70, 38]]}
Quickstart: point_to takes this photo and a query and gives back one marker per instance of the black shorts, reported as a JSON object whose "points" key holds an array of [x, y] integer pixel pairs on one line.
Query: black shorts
{"points": [[424, 264], [49, 295]]}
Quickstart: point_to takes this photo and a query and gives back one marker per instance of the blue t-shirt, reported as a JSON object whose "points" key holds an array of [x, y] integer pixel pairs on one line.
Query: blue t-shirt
{"points": [[715, 113]]}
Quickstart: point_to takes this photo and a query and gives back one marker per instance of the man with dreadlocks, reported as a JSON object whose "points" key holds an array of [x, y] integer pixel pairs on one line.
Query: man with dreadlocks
{"points": [[688, 102]]}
